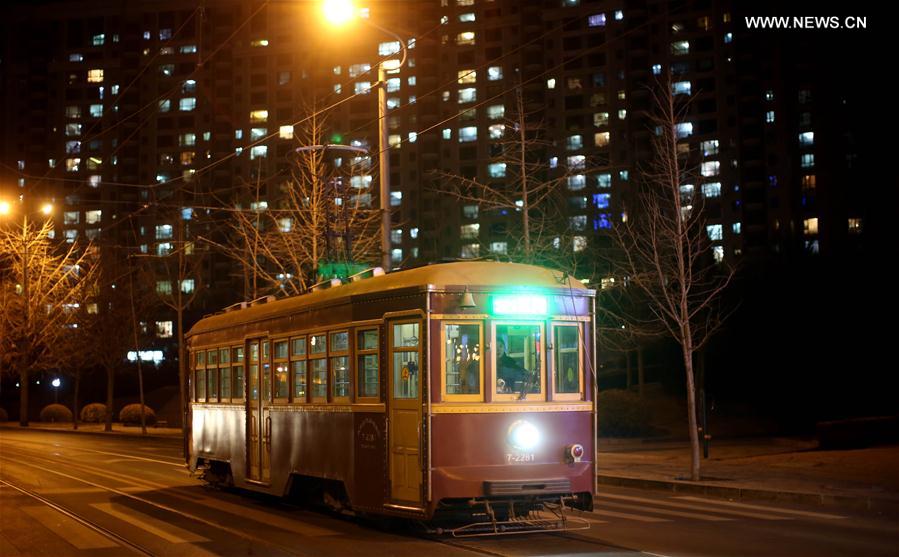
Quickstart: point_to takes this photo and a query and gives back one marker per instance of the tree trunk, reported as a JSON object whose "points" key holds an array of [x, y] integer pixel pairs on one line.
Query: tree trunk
{"points": [[687, 347], [110, 386], [627, 368], [641, 372], [75, 401], [23, 397]]}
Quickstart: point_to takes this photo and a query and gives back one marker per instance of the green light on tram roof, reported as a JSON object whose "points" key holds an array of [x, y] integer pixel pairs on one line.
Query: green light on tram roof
{"points": [[520, 304]]}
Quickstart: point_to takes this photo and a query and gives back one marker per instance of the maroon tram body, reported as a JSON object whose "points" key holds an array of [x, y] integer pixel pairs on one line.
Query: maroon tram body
{"points": [[442, 390]]}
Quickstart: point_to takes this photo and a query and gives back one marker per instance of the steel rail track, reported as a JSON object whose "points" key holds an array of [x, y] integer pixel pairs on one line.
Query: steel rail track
{"points": [[137, 548]]}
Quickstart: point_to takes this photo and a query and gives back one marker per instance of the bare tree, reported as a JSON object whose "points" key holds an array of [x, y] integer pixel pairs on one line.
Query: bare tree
{"points": [[44, 284], [525, 184], [667, 256], [322, 213]]}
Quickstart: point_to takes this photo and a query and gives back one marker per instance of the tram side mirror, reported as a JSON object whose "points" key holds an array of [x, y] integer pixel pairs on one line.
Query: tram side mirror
{"points": [[574, 453]]}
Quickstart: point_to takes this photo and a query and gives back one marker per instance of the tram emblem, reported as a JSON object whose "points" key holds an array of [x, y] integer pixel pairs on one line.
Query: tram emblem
{"points": [[368, 434]]}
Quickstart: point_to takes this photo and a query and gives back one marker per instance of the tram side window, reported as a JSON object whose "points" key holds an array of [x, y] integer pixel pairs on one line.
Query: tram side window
{"points": [[200, 379], [405, 360], [318, 350], [367, 366], [340, 370], [237, 372], [462, 358], [282, 376], [567, 360], [298, 368], [225, 374], [266, 372], [212, 376]]}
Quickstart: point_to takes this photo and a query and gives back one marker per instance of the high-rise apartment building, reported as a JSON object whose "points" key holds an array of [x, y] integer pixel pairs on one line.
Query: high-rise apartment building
{"points": [[152, 122]]}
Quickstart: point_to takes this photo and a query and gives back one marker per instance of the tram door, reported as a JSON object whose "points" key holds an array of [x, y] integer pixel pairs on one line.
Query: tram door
{"points": [[259, 400], [404, 396]]}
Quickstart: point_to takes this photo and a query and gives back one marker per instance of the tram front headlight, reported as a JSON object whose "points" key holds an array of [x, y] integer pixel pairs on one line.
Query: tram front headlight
{"points": [[524, 436]]}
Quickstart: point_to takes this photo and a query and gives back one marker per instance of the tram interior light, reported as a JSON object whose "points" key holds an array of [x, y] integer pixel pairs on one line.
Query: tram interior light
{"points": [[520, 304], [524, 435]]}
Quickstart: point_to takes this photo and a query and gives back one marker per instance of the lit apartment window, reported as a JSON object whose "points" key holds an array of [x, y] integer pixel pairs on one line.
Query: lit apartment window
{"points": [[396, 236], [285, 132], [715, 232], [187, 104], [393, 84], [388, 48], [95, 76], [769, 117], [187, 139], [73, 165], [601, 139], [602, 200], [188, 286], [494, 73], [73, 112], [467, 95], [736, 227], [165, 105], [259, 116], [164, 231], [808, 160], [258, 133], [604, 180], [73, 147], [574, 142], [259, 42], [467, 76], [188, 49], [168, 70], [164, 329], [496, 112], [622, 113], [396, 199], [469, 231], [619, 15], [470, 251], [163, 248], [656, 69], [810, 226], [855, 225], [577, 162], [680, 88], [163, 287], [551, 83], [466, 17], [709, 148], [577, 223], [94, 181], [577, 182], [468, 134], [496, 170], [70, 217], [710, 168], [258, 151], [470, 211], [807, 139], [96, 110], [499, 247], [684, 130], [497, 131], [362, 87], [395, 140], [712, 189], [93, 217], [579, 243], [356, 70], [596, 20], [808, 182], [98, 40], [466, 38], [396, 256], [187, 157], [76, 58], [601, 119], [679, 48]]}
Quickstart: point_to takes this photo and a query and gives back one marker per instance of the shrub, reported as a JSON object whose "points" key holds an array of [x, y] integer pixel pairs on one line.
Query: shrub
{"points": [[623, 414], [130, 415], [56, 413], [94, 413], [3, 416]]}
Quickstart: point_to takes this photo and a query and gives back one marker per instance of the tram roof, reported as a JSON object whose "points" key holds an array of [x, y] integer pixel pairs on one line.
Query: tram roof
{"points": [[476, 275]]}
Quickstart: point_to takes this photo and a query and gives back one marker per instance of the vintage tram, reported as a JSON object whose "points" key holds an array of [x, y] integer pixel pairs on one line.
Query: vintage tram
{"points": [[451, 389]]}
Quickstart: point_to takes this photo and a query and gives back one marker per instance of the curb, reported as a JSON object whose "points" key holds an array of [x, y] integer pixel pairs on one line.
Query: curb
{"points": [[890, 506], [88, 432]]}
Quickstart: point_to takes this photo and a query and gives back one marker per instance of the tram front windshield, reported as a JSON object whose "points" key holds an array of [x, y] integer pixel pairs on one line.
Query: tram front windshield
{"points": [[518, 358]]}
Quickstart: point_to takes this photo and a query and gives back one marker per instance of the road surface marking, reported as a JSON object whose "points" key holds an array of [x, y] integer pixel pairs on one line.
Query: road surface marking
{"points": [[667, 503], [68, 529], [764, 508], [162, 529], [698, 516], [291, 524], [628, 516]]}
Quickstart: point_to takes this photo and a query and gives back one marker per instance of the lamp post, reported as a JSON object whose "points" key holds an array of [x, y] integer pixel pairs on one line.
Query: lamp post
{"points": [[339, 12], [55, 384]]}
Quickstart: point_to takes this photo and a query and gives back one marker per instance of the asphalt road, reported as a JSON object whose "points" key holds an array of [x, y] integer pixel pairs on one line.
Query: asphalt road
{"points": [[87, 495]]}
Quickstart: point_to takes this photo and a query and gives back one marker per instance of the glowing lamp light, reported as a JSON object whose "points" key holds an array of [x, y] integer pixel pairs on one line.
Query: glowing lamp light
{"points": [[56, 382], [522, 304], [47, 208], [5, 208], [338, 12], [523, 435]]}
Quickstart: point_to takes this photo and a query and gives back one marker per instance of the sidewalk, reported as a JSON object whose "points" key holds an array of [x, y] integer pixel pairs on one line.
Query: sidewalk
{"points": [[786, 469], [97, 429]]}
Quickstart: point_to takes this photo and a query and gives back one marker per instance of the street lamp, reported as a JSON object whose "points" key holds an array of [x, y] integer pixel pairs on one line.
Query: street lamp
{"points": [[339, 12], [56, 383]]}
